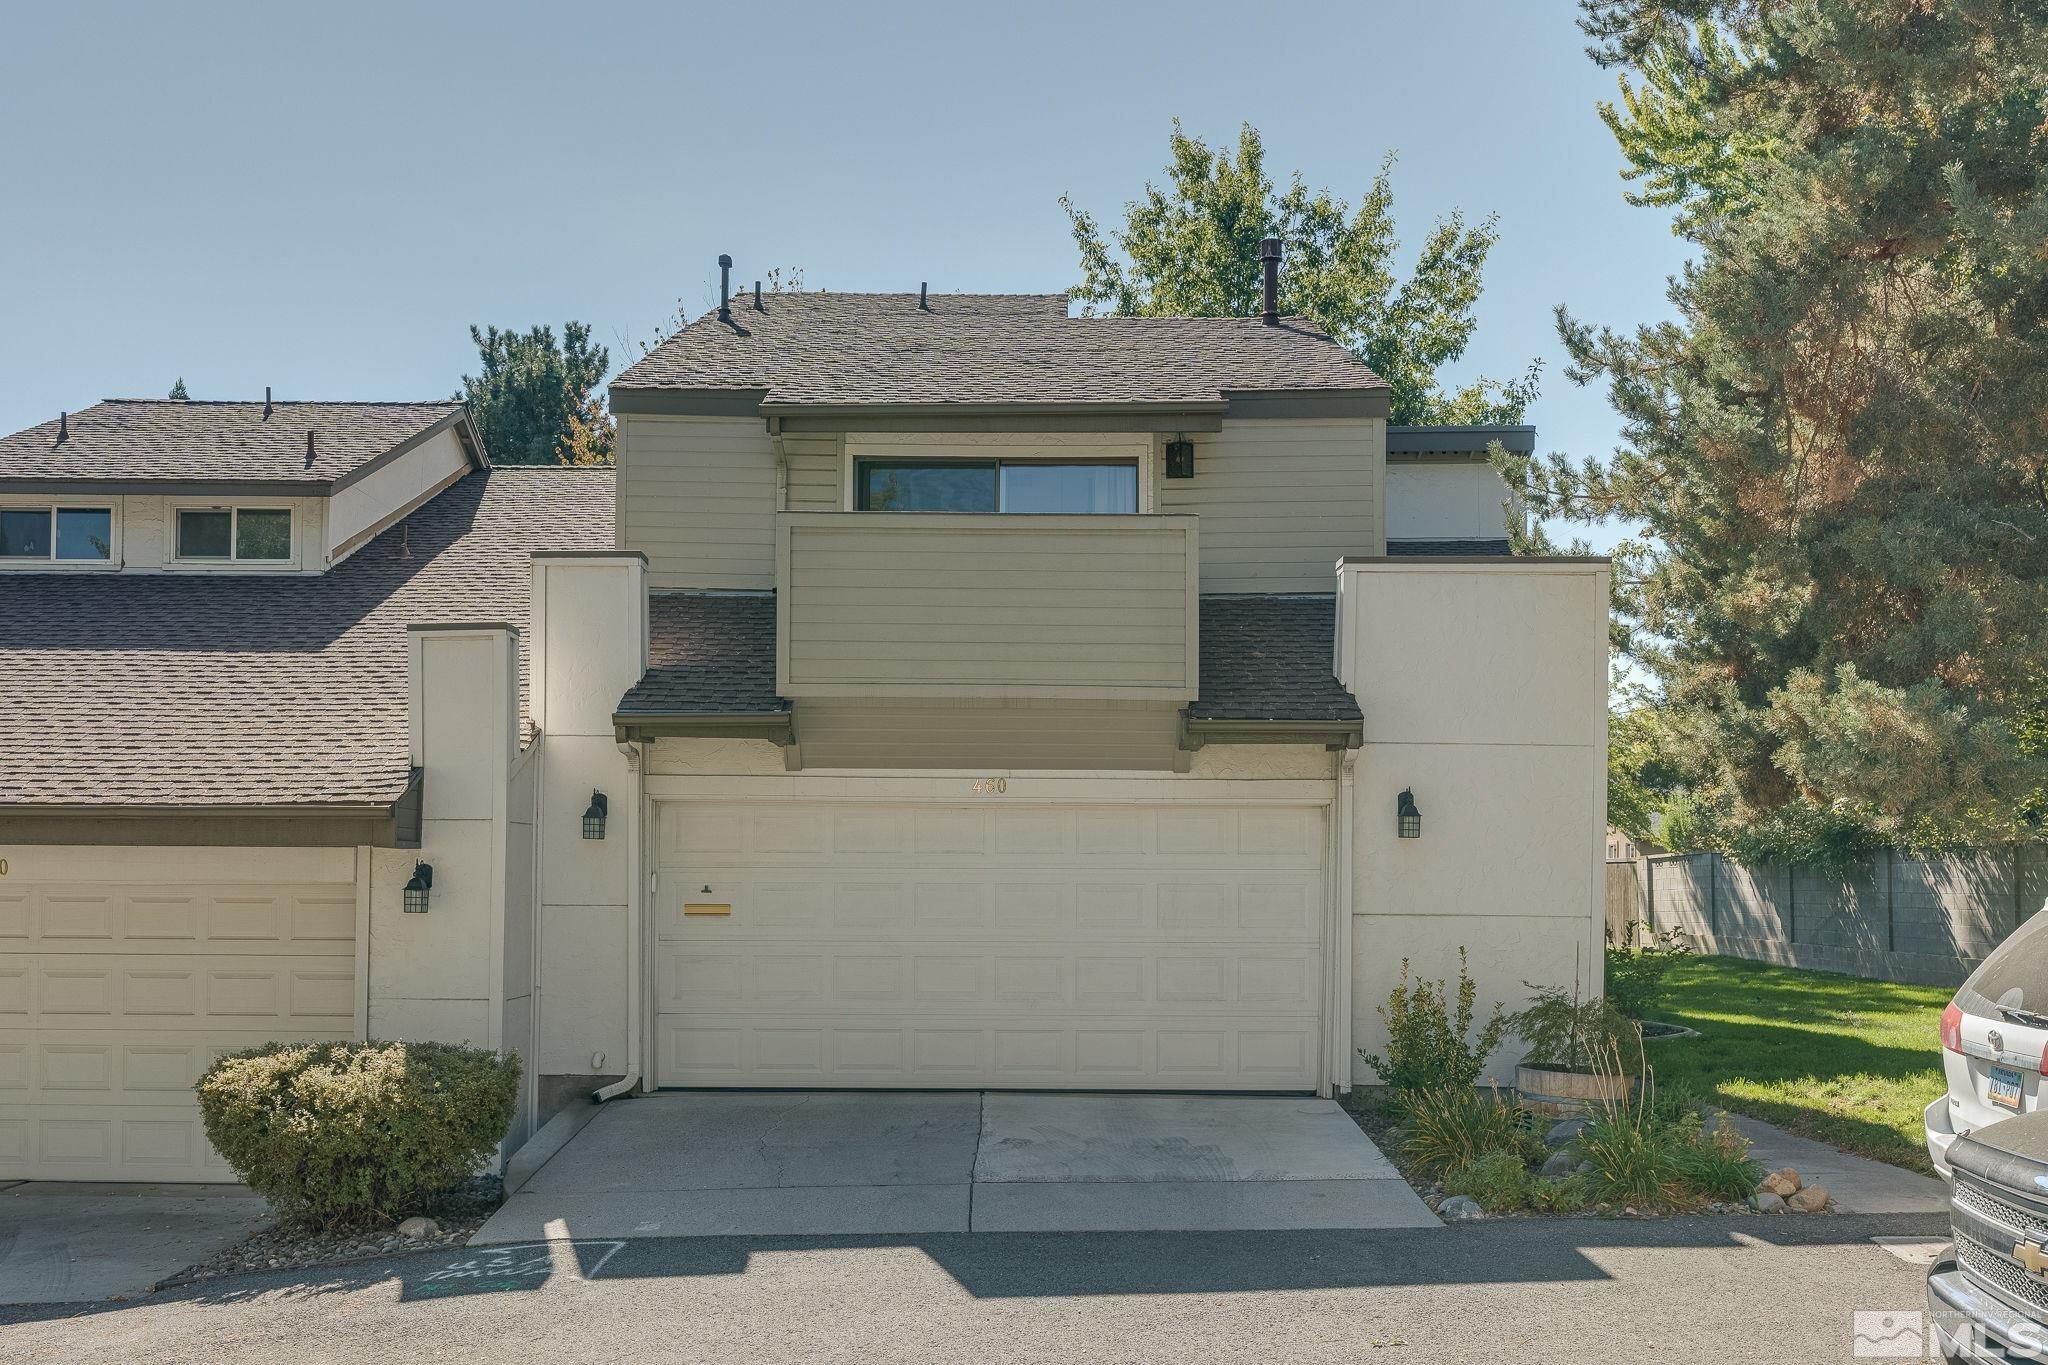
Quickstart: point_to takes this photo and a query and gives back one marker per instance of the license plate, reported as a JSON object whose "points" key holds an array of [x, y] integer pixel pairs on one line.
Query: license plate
{"points": [[2004, 1087]]}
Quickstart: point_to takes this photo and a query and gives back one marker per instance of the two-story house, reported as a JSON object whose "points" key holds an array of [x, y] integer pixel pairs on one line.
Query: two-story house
{"points": [[958, 694]]}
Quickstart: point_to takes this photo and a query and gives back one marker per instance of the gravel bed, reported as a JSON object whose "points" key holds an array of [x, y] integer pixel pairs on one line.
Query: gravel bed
{"points": [[274, 1246]]}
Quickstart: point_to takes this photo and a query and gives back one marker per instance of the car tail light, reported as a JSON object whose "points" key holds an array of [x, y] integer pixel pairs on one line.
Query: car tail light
{"points": [[2044, 1059], [1952, 1029]]}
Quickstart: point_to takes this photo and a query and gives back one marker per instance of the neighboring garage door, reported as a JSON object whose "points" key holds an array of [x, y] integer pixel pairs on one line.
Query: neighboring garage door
{"points": [[1165, 947], [116, 994]]}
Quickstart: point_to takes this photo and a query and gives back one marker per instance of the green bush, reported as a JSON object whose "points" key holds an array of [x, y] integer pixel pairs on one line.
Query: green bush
{"points": [[1430, 1041], [1568, 1033], [1636, 968], [337, 1134], [1449, 1128], [1652, 1152], [1559, 1194], [1499, 1181]]}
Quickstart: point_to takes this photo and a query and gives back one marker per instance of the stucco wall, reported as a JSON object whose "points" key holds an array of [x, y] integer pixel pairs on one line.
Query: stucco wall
{"points": [[1484, 688]]}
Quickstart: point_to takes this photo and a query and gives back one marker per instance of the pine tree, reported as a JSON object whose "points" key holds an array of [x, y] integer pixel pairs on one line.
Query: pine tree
{"points": [[1192, 250], [178, 389], [1838, 452], [536, 401]]}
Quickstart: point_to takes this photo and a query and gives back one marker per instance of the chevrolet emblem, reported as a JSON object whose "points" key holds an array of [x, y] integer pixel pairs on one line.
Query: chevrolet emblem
{"points": [[2032, 1256]]}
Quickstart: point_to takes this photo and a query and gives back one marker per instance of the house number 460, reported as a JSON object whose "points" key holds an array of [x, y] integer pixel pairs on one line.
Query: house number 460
{"points": [[991, 786]]}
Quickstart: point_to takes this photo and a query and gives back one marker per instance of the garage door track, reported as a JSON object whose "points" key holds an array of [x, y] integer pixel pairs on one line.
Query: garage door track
{"points": [[841, 1163]]}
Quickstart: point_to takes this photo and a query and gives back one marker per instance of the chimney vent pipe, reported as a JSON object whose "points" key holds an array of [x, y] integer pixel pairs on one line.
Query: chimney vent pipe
{"points": [[1269, 257], [757, 298], [63, 427], [725, 288], [266, 402]]}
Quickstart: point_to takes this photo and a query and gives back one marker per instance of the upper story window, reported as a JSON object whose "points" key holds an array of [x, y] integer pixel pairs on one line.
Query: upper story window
{"points": [[995, 486], [57, 533], [252, 534]]}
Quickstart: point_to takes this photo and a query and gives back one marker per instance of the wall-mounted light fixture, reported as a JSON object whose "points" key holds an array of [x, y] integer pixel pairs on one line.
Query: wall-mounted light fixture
{"points": [[1407, 819], [417, 889], [594, 815], [1180, 458]]}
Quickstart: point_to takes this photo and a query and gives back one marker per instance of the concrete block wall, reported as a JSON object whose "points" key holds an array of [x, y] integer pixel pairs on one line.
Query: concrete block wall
{"points": [[1897, 917], [1484, 688]]}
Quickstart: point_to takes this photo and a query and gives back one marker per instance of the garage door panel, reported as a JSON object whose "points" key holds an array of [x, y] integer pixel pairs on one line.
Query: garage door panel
{"points": [[1017, 904], [1049, 946], [115, 998], [1023, 1051]]}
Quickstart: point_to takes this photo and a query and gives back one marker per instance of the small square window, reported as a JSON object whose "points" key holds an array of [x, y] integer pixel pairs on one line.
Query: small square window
{"points": [[207, 534], [85, 533], [263, 533], [25, 533]]}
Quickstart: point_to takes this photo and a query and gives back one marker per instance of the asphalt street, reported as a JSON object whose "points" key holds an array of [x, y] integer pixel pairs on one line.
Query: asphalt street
{"points": [[1699, 1289]]}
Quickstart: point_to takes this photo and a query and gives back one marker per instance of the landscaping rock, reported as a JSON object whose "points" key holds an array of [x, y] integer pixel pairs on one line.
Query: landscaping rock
{"points": [[419, 1227], [1583, 1168], [1564, 1132], [1767, 1203], [1784, 1183], [1812, 1199], [1460, 1209], [1560, 1163]]}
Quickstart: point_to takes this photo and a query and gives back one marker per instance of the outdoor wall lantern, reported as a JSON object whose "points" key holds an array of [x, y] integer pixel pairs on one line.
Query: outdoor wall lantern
{"points": [[1180, 458], [416, 890], [594, 814], [1407, 819]]}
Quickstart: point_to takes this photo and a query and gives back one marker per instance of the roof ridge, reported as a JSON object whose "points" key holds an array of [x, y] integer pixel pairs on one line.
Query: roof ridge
{"points": [[295, 402]]}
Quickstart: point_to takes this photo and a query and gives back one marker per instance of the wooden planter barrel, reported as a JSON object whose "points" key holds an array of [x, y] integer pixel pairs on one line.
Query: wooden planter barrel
{"points": [[1564, 1093]]}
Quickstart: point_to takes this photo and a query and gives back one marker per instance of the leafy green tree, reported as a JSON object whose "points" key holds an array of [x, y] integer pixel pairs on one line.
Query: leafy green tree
{"points": [[1191, 249], [178, 389], [536, 400], [1835, 452]]}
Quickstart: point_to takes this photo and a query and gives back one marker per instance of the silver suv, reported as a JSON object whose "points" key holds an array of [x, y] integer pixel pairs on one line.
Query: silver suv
{"points": [[1994, 1041]]}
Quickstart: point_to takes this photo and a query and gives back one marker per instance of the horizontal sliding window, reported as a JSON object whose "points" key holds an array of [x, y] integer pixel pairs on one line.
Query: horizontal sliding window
{"points": [[235, 533], [70, 533], [1047, 486]]}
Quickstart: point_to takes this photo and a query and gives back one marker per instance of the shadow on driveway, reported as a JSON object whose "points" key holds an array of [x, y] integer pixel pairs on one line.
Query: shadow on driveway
{"points": [[1041, 1265]]}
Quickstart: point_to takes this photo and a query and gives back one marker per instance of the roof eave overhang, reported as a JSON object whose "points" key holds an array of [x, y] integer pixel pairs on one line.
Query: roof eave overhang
{"points": [[311, 825], [1330, 734], [776, 726]]}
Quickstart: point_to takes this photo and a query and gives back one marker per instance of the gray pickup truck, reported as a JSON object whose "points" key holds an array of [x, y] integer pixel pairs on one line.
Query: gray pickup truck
{"points": [[1987, 1299]]}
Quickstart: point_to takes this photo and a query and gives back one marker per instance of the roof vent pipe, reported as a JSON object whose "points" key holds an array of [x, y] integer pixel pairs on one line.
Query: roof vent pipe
{"points": [[266, 402], [725, 288], [922, 301], [1269, 257], [309, 447], [63, 427], [757, 298]]}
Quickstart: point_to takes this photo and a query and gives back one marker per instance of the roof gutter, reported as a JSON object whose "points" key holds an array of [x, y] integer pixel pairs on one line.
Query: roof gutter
{"points": [[632, 726], [1331, 734]]}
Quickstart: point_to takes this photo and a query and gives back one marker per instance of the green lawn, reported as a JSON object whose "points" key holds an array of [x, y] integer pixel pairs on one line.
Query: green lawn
{"points": [[1848, 1061]]}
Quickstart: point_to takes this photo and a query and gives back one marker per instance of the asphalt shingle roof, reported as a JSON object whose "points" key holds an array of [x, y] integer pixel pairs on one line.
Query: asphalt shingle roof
{"points": [[210, 690], [1270, 658], [173, 441], [1263, 658], [1498, 546], [883, 349], [708, 653]]}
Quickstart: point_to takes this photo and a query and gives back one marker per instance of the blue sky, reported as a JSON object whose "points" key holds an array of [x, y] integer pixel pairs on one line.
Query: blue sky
{"points": [[322, 199]]}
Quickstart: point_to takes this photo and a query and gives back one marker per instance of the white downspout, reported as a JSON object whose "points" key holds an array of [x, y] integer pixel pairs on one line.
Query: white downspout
{"points": [[635, 900]]}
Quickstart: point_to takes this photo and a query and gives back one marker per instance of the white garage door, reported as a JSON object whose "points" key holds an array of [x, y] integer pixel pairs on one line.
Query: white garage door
{"points": [[116, 995], [1168, 947]]}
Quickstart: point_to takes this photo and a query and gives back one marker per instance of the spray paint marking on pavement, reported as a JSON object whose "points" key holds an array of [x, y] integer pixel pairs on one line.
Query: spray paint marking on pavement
{"points": [[518, 1267]]}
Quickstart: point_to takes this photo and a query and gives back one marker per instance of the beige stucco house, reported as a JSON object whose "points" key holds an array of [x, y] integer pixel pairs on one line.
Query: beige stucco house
{"points": [[943, 692]]}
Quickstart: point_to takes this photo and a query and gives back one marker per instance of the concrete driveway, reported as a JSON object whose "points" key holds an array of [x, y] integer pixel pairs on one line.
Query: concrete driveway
{"points": [[836, 1163], [68, 1243]]}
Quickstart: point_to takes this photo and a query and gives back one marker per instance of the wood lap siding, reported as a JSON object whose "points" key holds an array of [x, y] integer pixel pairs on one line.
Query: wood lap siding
{"points": [[930, 733], [814, 470], [1281, 502], [697, 496], [926, 605]]}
